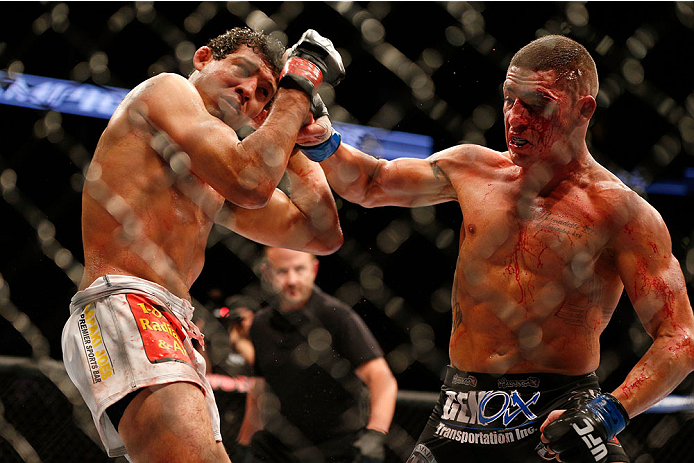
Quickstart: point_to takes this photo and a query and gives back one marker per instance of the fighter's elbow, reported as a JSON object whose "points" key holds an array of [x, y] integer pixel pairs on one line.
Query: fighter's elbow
{"points": [[252, 198], [329, 243]]}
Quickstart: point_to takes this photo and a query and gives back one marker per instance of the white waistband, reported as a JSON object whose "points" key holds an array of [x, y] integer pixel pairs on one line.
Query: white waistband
{"points": [[116, 284]]}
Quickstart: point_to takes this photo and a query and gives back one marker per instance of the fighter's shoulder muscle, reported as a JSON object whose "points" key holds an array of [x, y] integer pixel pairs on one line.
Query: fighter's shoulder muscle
{"points": [[466, 159]]}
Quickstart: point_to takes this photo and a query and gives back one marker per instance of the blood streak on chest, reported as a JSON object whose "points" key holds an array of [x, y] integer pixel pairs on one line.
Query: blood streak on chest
{"points": [[516, 269]]}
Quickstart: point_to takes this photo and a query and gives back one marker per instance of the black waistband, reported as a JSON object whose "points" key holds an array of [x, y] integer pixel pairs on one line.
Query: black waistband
{"points": [[531, 381]]}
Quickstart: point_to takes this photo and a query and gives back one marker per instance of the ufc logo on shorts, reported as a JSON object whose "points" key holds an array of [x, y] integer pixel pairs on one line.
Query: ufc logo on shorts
{"points": [[595, 444]]}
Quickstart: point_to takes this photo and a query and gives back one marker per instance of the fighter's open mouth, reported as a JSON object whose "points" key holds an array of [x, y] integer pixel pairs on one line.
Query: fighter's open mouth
{"points": [[519, 141]]}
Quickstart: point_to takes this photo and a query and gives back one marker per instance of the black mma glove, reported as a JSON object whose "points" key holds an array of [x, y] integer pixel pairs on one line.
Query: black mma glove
{"points": [[580, 435], [370, 447], [324, 146], [312, 60]]}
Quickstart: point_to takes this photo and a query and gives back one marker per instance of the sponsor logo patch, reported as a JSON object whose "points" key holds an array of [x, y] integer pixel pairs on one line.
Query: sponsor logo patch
{"points": [[162, 335], [530, 381], [100, 364], [468, 380], [421, 454]]}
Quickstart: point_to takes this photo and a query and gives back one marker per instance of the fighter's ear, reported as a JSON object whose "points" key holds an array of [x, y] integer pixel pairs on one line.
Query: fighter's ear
{"points": [[316, 264], [202, 56], [587, 106]]}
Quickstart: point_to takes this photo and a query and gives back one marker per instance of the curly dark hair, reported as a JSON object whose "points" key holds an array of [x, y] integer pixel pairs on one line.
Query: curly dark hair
{"points": [[269, 48]]}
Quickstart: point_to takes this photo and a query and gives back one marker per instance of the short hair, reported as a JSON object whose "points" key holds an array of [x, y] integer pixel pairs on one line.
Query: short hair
{"points": [[269, 48], [572, 62]]}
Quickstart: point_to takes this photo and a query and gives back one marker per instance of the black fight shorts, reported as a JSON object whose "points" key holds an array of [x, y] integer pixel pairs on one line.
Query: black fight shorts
{"points": [[481, 418]]}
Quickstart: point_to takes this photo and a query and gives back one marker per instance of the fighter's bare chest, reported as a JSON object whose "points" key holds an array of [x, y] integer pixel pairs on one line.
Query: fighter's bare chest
{"points": [[541, 234]]}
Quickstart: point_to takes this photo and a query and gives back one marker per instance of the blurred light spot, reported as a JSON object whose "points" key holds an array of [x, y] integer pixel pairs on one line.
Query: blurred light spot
{"points": [[391, 237], [249, 177], [473, 22], [320, 339], [666, 150], [529, 336], [395, 306], [80, 72], [15, 67], [685, 13], [633, 71], [484, 117], [59, 19], [372, 30], [636, 47], [577, 14], [455, 36], [93, 172], [350, 293], [98, 62], [8, 179], [41, 24], [239, 9], [63, 258], [432, 58], [185, 51], [272, 156], [423, 215], [180, 163], [257, 20], [441, 299], [686, 126], [371, 277], [340, 368], [445, 238], [399, 359], [604, 46], [120, 19], [269, 404], [689, 261], [46, 230], [582, 265], [145, 12]]}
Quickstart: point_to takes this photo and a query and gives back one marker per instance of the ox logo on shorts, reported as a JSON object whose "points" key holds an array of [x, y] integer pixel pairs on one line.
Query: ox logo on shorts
{"points": [[100, 364], [162, 335]]}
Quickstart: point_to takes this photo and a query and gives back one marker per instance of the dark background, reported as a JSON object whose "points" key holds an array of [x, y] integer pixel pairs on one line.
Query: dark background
{"points": [[396, 267]]}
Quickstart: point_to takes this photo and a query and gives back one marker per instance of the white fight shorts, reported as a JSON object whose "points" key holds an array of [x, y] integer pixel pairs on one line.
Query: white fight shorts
{"points": [[125, 333]]}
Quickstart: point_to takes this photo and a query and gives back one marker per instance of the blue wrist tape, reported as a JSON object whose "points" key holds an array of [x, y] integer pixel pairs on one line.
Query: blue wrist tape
{"points": [[610, 412], [324, 150]]}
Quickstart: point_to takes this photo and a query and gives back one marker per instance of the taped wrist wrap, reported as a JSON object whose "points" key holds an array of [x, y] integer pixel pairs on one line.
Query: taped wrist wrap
{"points": [[610, 412], [324, 150]]}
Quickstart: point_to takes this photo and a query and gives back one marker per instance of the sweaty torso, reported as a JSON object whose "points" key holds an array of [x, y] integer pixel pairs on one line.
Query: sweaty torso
{"points": [[535, 282], [140, 216]]}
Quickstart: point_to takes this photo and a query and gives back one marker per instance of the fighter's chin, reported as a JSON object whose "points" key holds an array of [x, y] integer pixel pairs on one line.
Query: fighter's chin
{"points": [[521, 159]]}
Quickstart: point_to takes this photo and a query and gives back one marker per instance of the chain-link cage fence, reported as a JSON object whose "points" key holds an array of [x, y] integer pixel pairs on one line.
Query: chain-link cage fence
{"points": [[428, 68]]}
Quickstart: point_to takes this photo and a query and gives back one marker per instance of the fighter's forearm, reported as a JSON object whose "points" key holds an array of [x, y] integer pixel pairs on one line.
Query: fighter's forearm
{"points": [[351, 173], [272, 144], [310, 193], [668, 361]]}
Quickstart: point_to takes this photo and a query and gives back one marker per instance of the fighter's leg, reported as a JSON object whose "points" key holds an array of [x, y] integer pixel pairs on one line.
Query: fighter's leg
{"points": [[170, 423]]}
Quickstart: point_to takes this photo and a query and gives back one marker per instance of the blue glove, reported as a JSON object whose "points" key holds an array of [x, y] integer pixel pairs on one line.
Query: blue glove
{"points": [[580, 435]]}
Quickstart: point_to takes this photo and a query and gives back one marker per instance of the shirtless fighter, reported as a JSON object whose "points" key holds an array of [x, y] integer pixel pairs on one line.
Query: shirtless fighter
{"points": [[549, 241], [168, 164]]}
